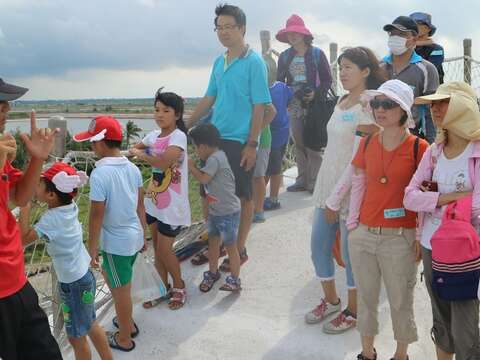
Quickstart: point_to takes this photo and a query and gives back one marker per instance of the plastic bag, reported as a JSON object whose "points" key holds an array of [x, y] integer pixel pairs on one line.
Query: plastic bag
{"points": [[146, 283]]}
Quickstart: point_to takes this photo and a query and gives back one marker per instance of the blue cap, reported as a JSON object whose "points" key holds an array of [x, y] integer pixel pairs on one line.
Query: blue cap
{"points": [[426, 19]]}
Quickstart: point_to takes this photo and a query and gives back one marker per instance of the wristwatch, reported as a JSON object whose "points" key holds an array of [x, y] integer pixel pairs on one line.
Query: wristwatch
{"points": [[252, 143]]}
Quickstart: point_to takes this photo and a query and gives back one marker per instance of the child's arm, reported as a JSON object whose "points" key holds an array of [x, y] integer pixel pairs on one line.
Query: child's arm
{"points": [[202, 177], [141, 214], [163, 161], [270, 113], [97, 212], [28, 234]]}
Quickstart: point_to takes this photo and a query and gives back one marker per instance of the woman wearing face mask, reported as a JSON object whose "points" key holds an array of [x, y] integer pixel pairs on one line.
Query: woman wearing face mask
{"points": [[382, 241], [359, 70], [306, 69], [404, 64], [453, 165]]}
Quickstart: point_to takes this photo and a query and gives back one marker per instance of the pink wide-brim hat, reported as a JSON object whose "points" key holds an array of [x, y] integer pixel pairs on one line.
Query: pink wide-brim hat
{"points": [[294, 24]]}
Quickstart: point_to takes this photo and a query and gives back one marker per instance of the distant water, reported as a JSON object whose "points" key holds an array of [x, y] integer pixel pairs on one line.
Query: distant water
{"points": [[75, 125]]}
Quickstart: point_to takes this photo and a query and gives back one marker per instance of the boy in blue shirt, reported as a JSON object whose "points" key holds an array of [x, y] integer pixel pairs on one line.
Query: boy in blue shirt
{"points": [[62, 232], [117, 216]]}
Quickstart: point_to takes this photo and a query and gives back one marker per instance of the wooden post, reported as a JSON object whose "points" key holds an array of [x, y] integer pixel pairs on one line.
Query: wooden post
{"points": [[333, 64], [267, 56], [467, 61], [59, 148]]}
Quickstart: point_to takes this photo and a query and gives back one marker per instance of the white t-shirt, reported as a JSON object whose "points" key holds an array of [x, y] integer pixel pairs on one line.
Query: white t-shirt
{"points": [[115, 181], [60, 229], [338, 154], [451, 175], [167, 195]]}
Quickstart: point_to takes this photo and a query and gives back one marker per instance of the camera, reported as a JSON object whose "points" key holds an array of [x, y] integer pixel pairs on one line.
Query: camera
{"points": [[302, 92]]}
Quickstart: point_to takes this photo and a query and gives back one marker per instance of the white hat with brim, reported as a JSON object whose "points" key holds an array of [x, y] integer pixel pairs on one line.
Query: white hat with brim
{"points": [[428, 99], [397, 91]]}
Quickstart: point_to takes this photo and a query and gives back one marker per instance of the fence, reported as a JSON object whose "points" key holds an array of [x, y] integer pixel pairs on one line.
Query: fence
{"points": [[38, 264]]}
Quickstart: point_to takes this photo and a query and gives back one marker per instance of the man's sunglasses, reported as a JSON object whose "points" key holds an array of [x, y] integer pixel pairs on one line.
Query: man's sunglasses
{"points": [[385, 104]]}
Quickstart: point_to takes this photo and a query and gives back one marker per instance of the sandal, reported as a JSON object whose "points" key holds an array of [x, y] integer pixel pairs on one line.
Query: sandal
{"points": [[202, 258], [113, 343], [179, 296], [152, 303], [133, 334], [225, 266], [209, 279], [363, 357], [231, 284]]}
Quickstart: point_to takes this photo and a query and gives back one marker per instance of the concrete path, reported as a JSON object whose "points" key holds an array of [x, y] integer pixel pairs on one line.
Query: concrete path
{"points": [[265, 321]]}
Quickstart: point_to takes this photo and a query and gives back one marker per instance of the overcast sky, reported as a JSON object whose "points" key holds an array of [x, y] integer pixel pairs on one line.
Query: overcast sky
{"points": [[64, 49]]}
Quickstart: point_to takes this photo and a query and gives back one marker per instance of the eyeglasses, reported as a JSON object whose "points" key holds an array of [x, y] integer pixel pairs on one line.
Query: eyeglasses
{"points": [[385, 104], [225, 28]]}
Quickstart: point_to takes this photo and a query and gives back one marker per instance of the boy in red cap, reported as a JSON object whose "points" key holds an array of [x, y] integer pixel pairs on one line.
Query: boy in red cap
{"points": [[24, 328], [117, 216], [62, 232]]}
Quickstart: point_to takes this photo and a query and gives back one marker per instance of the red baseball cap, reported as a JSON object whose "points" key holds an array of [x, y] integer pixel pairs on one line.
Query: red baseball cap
{"points": [[101, 128], [65, 177]]}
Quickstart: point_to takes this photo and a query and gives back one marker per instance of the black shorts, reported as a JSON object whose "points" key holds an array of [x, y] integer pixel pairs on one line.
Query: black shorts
{"points": [[275, 160], [243, 179], [164, 229], [24, 329]]}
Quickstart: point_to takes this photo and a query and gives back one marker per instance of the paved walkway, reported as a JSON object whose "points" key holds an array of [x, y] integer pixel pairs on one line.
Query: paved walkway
{"points": [[265, 321]]}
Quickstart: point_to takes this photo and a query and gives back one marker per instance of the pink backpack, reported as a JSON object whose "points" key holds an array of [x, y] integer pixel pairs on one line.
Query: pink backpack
{"points": [[456, 253]]}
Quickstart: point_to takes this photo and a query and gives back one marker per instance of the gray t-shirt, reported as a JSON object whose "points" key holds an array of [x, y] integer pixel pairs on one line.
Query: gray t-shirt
{"points": [[220, 191]]}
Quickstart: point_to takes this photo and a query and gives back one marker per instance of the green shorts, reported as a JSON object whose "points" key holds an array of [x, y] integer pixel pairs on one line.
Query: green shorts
{"points": [[118, 269]]}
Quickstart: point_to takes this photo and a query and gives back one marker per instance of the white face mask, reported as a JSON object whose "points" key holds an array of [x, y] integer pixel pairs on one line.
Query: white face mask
{"points": [[397, 44]]}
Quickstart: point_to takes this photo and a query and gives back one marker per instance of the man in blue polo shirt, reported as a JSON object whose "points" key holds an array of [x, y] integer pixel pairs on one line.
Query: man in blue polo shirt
{"points": [[238, 90], [404, 64]]}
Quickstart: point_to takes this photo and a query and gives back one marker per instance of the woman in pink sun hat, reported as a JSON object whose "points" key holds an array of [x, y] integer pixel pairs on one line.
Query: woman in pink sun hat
{"points": [[305, 68]]}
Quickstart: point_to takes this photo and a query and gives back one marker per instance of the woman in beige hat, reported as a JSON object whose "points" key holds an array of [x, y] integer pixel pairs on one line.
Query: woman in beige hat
{"points": [[449, 170]]}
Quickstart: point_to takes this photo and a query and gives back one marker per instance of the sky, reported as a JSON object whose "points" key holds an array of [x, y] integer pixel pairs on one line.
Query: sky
{"points": [[63, 49]]}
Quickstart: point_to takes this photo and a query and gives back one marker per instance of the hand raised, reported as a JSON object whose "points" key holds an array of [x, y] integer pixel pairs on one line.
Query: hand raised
{"points": [[40, 142]]}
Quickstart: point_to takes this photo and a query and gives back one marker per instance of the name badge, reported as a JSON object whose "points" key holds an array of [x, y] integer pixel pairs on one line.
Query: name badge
{"points": [[393, 213], [348, 116]]}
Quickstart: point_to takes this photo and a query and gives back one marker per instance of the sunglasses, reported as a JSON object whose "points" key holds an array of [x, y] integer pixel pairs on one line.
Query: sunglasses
{"points": [[385, 104]]}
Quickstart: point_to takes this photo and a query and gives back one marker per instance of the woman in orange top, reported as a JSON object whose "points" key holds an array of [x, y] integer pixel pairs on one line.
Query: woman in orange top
{"points": [[382, 241]]}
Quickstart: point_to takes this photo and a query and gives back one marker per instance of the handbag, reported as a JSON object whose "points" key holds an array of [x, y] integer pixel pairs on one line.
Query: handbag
{"points": [[316, 119]]}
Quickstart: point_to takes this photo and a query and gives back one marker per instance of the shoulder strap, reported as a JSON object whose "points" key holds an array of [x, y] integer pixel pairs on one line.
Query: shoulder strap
{"points": [[316, 56], [367, 141], [415, 151]]}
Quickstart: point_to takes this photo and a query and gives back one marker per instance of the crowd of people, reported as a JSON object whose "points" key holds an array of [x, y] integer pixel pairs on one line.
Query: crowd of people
{"points": [[400, 159]]}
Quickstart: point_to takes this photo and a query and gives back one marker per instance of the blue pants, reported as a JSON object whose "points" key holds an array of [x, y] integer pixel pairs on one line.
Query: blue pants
{"points": [[323, 238]]}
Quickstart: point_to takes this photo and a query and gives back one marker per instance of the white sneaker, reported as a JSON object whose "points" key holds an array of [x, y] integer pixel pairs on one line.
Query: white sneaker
{"points": [[322, 311], [344, 321]]}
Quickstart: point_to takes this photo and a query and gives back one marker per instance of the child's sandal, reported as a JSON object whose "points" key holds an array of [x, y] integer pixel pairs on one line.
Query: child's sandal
{"points": [[178, 298], [209, 279], [231, 284]]}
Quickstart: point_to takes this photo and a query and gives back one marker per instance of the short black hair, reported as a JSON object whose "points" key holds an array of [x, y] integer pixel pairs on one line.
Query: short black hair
{"points": [[231, 10], [63, 198], [205, 134], [113, 144]]}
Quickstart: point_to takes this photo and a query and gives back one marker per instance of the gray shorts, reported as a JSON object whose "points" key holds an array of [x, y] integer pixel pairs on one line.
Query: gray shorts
{"points": [[261, 164], [455, 323]]}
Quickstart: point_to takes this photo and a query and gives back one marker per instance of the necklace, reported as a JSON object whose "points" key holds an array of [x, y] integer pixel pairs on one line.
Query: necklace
{"points": [[384, 178]]}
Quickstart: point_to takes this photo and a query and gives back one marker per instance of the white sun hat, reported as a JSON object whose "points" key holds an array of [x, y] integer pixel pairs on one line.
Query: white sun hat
{"points": [[397, 91]]}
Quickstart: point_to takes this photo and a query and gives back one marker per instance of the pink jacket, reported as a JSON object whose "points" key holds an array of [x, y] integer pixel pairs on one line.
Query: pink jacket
{"points": [[426, 201]]}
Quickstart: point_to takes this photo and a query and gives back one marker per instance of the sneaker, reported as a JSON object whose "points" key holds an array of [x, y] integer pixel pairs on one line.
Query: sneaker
{"points": [[296, 188], [259, 218], [322, 311], [270, 204], [344, 321]]}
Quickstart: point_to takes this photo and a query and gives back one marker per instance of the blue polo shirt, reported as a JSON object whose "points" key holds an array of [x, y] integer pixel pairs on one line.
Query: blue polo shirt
{"points": [[237, 88]]}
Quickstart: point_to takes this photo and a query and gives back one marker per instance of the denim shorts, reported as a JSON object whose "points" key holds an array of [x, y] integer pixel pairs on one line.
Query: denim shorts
{"points": [[78, 305], [225, 226]]}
